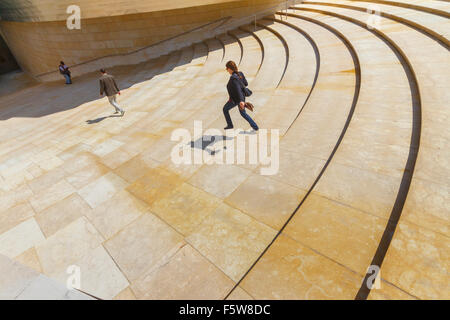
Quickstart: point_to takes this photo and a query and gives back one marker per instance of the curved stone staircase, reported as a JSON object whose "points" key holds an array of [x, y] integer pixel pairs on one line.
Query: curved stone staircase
{"points": [[363, 180]]}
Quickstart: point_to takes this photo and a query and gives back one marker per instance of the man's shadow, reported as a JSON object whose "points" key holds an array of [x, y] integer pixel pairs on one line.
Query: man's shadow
{"points": [[205, 141], [102, 118]]}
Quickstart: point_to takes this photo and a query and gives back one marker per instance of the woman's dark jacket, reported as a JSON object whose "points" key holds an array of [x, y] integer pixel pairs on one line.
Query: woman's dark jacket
{"points": [[235, 87]]}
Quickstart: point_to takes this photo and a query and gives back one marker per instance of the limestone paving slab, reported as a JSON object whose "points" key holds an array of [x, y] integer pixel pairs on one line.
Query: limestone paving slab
{"points": [[348, 236], [187, 275], [30, 259], [49, 196], [116, 158], [86, 175], [231, 240], [306, 168], [15, 215], [185, 208], [135, 168], [219, 180], [427, 206], [102, 189], [289, 270], [155, 184], [80, 236], [417, 262], [99, 274], [142, 244], [20, 238], [268, 201], [61, 214], [112, 216], [47, 180]]}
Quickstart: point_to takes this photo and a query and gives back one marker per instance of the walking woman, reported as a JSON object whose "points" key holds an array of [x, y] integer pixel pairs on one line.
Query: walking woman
{"points": [[235, 88], [64, 70]]}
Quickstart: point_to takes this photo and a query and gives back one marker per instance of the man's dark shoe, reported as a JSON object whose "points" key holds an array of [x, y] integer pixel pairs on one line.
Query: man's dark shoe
{"points": [[228, 127]]}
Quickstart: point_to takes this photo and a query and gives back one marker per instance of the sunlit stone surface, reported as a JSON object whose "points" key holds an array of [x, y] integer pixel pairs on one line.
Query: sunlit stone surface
{"points": [[364, 131]]}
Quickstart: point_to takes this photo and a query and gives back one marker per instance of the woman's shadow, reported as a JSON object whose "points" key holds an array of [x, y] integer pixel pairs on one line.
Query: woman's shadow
{"points": [[206, 141]]}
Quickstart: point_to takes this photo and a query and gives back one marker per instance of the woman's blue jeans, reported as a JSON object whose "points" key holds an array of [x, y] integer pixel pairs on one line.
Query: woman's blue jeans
{"points": [[226, 112]]}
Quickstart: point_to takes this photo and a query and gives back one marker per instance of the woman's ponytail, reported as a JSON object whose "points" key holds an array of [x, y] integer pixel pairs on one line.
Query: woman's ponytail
{"points": [[232, 66]]}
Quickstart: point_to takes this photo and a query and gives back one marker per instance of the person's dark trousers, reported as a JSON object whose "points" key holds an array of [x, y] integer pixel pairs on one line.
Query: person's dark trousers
{"points": [[226, 112]]}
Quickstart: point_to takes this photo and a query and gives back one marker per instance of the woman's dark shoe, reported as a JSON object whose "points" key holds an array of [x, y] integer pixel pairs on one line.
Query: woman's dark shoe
{"points": [[256, 129], [228, 127]]}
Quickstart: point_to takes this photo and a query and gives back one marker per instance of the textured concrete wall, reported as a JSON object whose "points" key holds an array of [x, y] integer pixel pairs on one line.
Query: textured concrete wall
{"points": [[7, 61], [37, 35]]}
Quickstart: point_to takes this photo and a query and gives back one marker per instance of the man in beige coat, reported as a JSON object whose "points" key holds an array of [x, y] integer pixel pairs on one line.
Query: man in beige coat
{"points": [[109, 86]]}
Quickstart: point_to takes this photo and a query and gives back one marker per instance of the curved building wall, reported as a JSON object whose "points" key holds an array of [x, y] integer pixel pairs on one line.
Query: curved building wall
{"points": [[37, 35]]}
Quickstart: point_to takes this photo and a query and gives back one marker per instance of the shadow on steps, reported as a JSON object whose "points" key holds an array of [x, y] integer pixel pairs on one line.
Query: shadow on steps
{"points": [[22, 98]]}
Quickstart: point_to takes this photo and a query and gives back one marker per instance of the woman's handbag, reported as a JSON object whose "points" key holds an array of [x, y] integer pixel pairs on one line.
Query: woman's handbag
{"points": [[247, 92]]}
